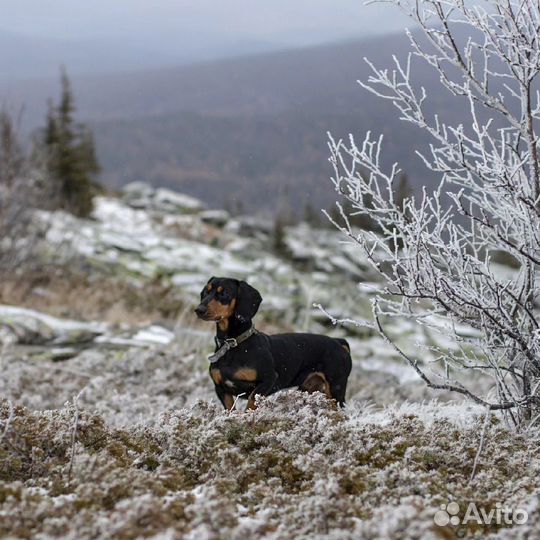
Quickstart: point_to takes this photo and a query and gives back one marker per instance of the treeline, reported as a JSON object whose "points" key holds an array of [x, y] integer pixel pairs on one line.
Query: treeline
{"points": [[60, 169]]}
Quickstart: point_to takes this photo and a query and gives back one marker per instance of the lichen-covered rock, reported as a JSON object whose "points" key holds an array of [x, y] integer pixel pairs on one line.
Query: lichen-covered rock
{"points": [[215, 217], [170, 201], [143, 196], [32, 327]]}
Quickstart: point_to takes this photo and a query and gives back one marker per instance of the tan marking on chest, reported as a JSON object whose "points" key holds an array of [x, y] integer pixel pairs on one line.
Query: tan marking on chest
{"points": [[245, 374], [216, 375], [223, 325]]}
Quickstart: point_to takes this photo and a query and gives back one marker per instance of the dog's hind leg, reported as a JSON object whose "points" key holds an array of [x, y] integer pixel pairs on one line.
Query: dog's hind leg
{"points": [[338, 378], [338, 389], [316, 382]]}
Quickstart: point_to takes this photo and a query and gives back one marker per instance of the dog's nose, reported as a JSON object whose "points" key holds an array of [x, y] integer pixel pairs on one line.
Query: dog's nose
{"points": [[201, 310]]}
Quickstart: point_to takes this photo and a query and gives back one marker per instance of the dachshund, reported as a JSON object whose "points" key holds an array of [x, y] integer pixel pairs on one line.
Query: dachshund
{"points": [[247, 362]]}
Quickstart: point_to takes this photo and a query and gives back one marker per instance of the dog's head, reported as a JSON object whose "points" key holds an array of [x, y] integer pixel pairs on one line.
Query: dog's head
{"points": [[223, 298]]}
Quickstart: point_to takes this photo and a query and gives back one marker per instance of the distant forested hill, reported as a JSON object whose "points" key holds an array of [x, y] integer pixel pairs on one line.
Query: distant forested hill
{"points": [[250, 129], [272, 162]]}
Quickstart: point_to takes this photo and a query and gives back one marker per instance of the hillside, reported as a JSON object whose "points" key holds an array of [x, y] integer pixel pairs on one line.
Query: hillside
{"points": [[261, 163], [297, 79], [110, 428], [26, 56], [254, 125]]}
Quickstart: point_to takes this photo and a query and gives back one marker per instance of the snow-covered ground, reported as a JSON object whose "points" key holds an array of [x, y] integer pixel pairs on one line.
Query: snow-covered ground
{"points": [[112, 430]]}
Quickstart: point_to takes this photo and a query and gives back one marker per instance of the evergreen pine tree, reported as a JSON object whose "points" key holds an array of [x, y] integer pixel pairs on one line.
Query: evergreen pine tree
{"points": [[70, 154], [402, 192], [311, 216], [11, 155], [50, 133], [278, 234]]}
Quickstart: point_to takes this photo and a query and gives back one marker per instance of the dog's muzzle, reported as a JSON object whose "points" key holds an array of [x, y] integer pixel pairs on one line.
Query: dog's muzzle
{"points": [[201, 310]]}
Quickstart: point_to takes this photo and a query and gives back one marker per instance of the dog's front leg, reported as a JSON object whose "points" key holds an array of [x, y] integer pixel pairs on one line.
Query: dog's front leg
{"points": [[226, 399], [264, 388]]}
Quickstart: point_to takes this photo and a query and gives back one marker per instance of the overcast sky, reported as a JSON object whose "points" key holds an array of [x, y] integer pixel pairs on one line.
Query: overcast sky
{"points": [[276, 21], [103, 36]]}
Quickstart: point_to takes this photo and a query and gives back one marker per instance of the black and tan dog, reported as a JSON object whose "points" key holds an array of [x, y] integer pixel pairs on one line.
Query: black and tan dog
{"points": [[248, 362]]}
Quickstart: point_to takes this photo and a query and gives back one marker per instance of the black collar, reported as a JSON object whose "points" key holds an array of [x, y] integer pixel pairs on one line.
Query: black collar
{"points": [[230, 343]]}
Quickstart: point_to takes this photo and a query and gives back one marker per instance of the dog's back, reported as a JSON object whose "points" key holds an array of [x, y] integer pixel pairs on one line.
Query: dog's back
{"points": [[298, 354]]}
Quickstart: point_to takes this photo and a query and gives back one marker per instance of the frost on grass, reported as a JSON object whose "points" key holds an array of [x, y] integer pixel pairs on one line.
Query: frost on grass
{"points": [[295, 468]]}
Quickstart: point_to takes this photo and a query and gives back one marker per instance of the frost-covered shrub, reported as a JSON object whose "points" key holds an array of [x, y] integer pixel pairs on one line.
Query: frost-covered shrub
{"points": [[437, 252]]}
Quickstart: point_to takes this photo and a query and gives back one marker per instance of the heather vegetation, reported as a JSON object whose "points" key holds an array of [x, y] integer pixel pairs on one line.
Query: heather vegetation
{"points": [[295, 467]]}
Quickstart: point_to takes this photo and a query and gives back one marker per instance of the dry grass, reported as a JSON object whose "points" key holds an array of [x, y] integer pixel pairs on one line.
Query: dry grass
{"points": [[82, 295]]}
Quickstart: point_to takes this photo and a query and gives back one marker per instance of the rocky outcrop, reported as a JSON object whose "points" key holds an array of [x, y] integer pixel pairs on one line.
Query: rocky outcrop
{"points": [[39, 334], [147, 242], [143, 196]]}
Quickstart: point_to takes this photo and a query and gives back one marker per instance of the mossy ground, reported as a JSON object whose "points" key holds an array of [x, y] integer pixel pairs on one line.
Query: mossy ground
{"points": [[294, 468]]}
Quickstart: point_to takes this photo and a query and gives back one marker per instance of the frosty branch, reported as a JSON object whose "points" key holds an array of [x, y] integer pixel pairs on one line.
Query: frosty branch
{"points": [[437, 251]]}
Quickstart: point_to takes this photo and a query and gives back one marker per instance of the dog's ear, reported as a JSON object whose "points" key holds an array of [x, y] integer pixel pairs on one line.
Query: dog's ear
{"points": [[248, 301], [205, 288]]}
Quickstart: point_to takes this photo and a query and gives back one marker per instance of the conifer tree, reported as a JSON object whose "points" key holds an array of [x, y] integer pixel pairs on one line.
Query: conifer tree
{"points": [[11, 155], [70, 154], [311, 216]]}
